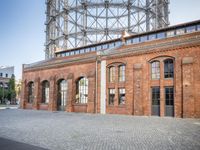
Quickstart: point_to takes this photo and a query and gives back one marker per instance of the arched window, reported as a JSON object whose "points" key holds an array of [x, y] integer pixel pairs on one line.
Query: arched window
{"points": [[45, 92], [82, 90], [122, 73], [168, 68], [30, 92], [62, 93], [155, 70], [112, 74]]}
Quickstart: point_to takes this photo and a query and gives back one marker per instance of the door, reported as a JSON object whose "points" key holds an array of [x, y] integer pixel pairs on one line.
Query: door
{"points": [[169, 101], [155, 96], [62, 95]]}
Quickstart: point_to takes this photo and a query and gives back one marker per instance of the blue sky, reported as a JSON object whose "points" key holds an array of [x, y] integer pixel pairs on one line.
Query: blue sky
{"points": [[22, 28]]}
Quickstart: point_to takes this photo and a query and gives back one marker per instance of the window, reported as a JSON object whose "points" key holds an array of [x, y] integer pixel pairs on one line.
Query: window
{"points": [[77, 52], [111, 96], [155, 95], [82, 51], [6, 75], [82, 90], [135, 40], [105, 46], [155, 70], [45, 92], [93, 49], [180, 31], [1, 74], [198, 27], [67, 54], [122, 73], [169, 95], [152, 37], [161, 35], [30, 92], [129, 41], [168, 68], [62, 93], [87, 50], [111, 45], [112, 74], [143, 38], [72, 53], [122, 97], [191, 29], [170, 33]]}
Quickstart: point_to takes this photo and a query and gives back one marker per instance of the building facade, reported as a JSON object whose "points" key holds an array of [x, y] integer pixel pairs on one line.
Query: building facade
{"points": [[5, 75], [153, 73]]}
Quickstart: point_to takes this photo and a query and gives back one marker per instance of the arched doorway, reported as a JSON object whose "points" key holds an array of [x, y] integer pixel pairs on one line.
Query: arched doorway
{"points": [[62, 95]]}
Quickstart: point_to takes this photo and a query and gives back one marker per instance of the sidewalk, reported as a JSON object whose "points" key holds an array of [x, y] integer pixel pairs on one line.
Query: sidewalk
{"points": [[9, 107]]}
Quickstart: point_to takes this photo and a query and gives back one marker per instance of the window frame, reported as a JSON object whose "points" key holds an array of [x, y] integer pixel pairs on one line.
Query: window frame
{"points": [[121, 93], [111, 96], [155, 95], [167, 73], [82, 90], [31, 92], [111, 74], [122, 73], [170, 100], [45, 92], [157, 70]]}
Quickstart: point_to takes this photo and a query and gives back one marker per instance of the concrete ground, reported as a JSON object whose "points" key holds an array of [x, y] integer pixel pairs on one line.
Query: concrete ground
{"points": [[77, 131]]}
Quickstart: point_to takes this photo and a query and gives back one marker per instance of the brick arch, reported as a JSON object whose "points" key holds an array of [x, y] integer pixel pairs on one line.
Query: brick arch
{"points": [[114, 64], [161, 56]]}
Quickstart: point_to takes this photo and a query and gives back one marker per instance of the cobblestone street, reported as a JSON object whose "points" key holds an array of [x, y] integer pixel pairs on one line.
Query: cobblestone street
{"points": [[61, 130]]}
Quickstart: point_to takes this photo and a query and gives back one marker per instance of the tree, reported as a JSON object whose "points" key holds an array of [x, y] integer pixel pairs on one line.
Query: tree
{"points": [[11, 95]]}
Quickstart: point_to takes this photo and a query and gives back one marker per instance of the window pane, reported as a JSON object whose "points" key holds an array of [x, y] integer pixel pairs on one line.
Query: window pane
{"points": [[191, 29], [155, 95], [161, 35], [122, 73], [111, 96], [152, 36], [155, 70], [168, 68], [82, 91], [180, 31], [122, 96], [112, 74], [143, 38], [170, 33], [169, 95], [135, 40]]}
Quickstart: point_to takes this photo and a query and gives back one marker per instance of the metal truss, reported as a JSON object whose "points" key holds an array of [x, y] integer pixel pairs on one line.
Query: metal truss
{"points": [[75, 23]]}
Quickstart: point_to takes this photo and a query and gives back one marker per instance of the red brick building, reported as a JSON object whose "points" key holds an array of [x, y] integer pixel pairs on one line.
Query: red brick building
{"points": [[153, 73]]}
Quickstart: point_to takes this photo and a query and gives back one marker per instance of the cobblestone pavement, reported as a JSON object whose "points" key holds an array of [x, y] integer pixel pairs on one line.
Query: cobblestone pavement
{"points": [[77, 131]]}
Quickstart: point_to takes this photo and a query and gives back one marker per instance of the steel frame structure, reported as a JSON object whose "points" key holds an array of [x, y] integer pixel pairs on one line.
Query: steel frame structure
{"points": [[75, 23]]}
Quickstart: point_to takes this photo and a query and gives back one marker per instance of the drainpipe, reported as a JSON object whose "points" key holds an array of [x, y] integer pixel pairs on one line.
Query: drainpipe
{"points": [[96, 80]]}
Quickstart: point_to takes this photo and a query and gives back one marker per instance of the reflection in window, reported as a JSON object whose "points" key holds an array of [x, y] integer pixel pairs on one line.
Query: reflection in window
{"points": [[169, 96], [143, 38], [62, 93], [112, 74], [111, 96], [152, 37], [45, 92], [30, 92], [122, 73], [168, 68], [82, 90], [155, 95], [135, 40], [155, 70], [161, 35], [122, 97], [170, 33], [180, 31], [191, 29]]}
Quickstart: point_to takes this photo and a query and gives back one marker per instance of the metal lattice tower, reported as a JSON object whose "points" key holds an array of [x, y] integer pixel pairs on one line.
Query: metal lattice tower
{"points": [[75, 23]]}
